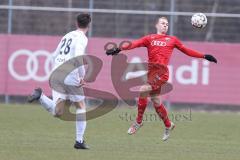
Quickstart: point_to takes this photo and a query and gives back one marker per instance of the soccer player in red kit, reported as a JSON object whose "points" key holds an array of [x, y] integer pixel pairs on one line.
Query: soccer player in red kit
{"points": [[160, 47]]}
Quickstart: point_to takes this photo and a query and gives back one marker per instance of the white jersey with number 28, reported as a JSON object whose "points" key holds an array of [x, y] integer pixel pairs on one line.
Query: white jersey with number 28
{"points": [[73, 44]]}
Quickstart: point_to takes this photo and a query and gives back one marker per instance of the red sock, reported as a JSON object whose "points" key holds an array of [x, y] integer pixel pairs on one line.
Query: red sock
{"points": [[162, 112], [142, 104]]}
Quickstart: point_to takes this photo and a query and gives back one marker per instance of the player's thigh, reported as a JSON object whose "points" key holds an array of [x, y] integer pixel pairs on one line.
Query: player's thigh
{"points": [[76, 95], [157, 77], [58, 97]]}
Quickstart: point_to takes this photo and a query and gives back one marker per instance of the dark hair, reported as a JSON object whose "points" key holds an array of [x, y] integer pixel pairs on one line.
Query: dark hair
{"points": [[83, 20]]}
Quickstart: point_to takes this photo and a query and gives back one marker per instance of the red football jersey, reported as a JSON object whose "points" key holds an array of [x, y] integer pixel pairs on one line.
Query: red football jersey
{"points": [[160, 48]]}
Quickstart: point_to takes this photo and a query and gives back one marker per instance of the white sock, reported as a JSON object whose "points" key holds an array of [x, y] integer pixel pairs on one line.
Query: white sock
{"points": [[80, 124], [47, 104]]}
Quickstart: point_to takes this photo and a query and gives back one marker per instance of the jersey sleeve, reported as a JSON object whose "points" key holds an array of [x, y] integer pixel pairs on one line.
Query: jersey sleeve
{"points": [[187, 51], [142, 42], [57, 50]]}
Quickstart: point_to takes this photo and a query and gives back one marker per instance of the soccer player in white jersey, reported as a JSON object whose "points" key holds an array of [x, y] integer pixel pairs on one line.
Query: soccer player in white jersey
{"points": [[73, 44]]}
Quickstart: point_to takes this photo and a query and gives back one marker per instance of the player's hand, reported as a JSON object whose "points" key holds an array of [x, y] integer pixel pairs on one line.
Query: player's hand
{"points": [[210, 58], [82, 82], [113, 51]]}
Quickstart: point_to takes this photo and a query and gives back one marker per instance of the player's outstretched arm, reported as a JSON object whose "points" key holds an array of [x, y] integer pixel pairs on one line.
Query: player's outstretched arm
{"points": [[132, 45], [194, 53], [128, 46]]}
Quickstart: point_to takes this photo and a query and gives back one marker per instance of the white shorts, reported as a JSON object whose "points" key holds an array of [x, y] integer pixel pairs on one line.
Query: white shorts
{"points": [[73, 98]]}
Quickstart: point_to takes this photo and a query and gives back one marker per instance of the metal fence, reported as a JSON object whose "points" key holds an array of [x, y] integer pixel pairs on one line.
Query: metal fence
{"points": [[125, 18]]}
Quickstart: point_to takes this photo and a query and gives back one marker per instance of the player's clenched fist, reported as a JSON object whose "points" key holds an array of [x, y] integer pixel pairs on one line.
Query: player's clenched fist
{"points": [[113, 51], [210, 58]]}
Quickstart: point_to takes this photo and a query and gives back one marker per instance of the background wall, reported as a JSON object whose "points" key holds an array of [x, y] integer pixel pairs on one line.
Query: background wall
{"points": [[33, 28]]}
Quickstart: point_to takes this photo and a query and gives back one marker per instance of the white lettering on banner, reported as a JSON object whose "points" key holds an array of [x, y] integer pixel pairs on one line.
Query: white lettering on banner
{"points": [[31, 66], [193, 70], [128, 74], [205, 72], [195, 74]]}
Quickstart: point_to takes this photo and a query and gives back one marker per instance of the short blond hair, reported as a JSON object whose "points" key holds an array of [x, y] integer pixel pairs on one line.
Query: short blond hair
{"points": [[161, 18]]}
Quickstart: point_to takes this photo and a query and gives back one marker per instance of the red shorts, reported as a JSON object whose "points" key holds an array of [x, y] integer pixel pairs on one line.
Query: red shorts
{"points": [[157, 76]]}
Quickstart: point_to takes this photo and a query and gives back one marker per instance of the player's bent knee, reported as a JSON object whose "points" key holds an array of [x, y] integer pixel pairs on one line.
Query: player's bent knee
{"points": [[145, 88], [60, 106], [80, 105], [156, 100], [58, 113]]}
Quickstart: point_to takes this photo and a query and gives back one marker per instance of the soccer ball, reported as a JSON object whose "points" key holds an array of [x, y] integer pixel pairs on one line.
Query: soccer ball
{"points": [[199, 20]]}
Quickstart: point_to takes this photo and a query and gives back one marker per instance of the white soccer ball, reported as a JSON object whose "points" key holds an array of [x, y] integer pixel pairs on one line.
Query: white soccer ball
{"points": [[199, 20]]}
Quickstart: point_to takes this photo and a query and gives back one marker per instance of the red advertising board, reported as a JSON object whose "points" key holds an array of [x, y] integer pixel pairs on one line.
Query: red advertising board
{"points": [[25, 63]]}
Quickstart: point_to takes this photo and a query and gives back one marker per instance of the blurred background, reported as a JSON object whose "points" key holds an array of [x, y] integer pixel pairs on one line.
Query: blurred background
{"points": [[34, 27], [122, 19]]}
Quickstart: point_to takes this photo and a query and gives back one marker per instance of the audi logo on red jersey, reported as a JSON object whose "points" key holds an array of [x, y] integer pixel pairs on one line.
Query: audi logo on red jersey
{"points": [[158, 43]]}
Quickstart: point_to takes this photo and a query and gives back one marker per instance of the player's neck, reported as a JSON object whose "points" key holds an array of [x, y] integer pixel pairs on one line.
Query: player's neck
{"points": [[84, 30], [161, 33]]}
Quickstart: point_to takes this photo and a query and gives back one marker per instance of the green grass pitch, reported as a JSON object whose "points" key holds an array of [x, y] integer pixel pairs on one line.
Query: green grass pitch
{"points": [[29, 132]]}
